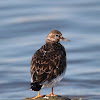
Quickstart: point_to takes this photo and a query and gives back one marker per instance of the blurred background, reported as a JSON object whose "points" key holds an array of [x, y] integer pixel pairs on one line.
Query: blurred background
{"points": [[24, 25]]}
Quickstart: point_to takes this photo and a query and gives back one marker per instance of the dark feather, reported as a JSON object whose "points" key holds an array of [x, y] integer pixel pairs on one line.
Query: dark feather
{"points": [[35, 86], [47, 63]]}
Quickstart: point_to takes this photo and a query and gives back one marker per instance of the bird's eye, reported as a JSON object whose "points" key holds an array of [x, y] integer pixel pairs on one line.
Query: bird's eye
{"points": [[56, 35]]}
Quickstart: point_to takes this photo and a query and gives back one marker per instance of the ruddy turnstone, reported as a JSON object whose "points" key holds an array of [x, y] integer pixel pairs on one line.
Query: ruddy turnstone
{"points": [[48, 64]]}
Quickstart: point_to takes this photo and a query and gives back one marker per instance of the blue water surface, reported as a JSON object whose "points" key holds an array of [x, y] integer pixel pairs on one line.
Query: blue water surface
{"points": [[24, 25]]}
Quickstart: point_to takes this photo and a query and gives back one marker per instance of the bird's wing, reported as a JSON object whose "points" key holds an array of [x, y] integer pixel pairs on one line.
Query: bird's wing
{"points": [[46, 65]]}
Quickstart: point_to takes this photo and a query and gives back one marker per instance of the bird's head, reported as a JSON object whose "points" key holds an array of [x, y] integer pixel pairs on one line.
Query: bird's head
{"points": [[55, 36]]}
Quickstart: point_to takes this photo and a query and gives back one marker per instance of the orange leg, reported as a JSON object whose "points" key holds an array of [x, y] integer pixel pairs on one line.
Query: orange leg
{"points": [[37, 95], [51, 94]]}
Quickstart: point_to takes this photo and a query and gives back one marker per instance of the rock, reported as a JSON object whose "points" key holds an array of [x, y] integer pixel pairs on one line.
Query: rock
{"points": [[51, 98]]}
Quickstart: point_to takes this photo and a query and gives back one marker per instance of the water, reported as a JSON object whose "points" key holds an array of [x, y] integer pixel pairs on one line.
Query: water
{"points": [[23, 29]]}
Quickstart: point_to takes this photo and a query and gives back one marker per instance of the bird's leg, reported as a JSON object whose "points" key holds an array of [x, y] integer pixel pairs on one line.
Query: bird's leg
{"points": [[37, 95], [51, 94]]}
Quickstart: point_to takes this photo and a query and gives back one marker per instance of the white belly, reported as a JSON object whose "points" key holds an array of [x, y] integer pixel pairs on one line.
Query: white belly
{"points": [[54, 81]]}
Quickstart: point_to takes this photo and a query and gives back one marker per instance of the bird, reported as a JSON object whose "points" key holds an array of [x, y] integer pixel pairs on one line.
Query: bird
{"points": [[48, 64]]}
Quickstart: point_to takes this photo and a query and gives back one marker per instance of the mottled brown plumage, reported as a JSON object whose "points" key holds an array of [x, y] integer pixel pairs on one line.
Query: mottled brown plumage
{"points": [[48, 62]]}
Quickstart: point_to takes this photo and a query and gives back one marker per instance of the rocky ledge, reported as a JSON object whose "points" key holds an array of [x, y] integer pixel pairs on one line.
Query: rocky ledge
{"points": [[51, 98]]}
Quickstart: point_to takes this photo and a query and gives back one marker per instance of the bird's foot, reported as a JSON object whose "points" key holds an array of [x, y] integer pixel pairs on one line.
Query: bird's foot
{"points": [[51, 94], [38, 96]]}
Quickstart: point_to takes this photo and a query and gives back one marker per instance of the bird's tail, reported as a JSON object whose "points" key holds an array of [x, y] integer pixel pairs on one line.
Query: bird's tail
{"points": [[35, 86]]}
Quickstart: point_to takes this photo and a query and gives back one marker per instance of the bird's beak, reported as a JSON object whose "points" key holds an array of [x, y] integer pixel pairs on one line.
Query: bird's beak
{"points": [[64, 39]]}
